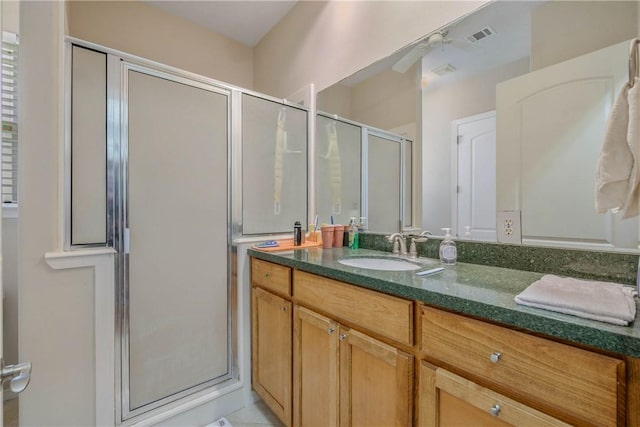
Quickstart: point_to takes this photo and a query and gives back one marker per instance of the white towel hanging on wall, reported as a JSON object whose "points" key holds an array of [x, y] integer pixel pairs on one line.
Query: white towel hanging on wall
{"points": [[632, 202], [618, 168]]}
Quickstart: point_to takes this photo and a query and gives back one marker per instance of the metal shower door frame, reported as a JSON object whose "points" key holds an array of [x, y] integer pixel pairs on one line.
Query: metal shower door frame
{"points": [[117, 219]]}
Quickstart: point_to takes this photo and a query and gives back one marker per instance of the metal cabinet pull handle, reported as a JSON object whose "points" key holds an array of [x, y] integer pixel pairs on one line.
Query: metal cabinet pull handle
{"points": [[284, 309], [495, 357], [342, 337], [331, 330], [495, 410]]}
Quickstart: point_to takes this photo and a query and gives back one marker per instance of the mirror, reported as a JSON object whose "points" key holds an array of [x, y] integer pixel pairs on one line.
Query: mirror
{"points": [[508, 107]]}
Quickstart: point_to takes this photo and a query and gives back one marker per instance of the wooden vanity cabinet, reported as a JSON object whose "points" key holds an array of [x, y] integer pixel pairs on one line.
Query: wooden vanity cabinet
{"points": [[342, 376], [327, 353], [376, 382], [271, 326], [448, 400], [580, 386], [315, 369]]}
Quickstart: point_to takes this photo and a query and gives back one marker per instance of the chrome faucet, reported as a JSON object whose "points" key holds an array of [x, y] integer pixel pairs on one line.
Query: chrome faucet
{"points": [[399, 244]]}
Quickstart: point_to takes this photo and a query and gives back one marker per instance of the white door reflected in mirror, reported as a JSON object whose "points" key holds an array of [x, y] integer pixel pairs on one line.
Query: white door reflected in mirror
{"points": [[474, 195]]}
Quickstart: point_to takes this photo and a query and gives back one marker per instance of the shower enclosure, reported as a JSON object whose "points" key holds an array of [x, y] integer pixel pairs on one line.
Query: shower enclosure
{"points": [[166, 167]]}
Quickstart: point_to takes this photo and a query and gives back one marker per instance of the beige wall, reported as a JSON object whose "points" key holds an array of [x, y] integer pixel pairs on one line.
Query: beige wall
{"points": [[562, 30], [440, 107], [56, 308], [386, 100], [323, 42], [148, 32], [11, 16], [335, 100]]}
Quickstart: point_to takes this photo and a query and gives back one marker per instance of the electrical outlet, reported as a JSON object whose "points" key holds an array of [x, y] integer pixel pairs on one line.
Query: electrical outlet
{"points": [[508, 227]]}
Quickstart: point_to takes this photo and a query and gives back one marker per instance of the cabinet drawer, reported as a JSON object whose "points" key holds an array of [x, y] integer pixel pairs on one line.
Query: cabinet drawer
{"points": [[446, 399], [274, 277], [579, 386], [383, 314]]}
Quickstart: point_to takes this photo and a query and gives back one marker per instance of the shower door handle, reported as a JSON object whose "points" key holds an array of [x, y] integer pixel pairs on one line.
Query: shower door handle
{"points": [[18, 375], [125, 240]]}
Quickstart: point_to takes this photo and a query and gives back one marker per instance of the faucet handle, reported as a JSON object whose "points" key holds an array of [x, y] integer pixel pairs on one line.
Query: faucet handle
{"points": [[426, 233], [413, 251], [396, 245]]}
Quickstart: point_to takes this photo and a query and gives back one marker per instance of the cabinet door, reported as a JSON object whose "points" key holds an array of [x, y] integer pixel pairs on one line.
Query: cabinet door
{"points": [[315, 369], [271, 351], [447, 400], [376, 382]]}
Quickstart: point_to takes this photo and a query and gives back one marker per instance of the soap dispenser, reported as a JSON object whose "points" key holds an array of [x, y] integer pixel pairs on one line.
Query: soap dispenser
{"points": [[448, 251], [353, 233]]}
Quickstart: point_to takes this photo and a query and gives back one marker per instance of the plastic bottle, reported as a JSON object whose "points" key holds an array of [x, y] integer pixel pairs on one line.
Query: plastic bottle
{"points": [[353, 233], [448, 251], [297, 234]]}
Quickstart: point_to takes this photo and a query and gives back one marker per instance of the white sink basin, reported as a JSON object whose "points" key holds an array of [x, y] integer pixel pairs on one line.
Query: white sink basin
{"points": [[375, 263]]}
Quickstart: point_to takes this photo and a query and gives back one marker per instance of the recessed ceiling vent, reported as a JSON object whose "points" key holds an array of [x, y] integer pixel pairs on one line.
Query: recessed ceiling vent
{"points": [[443, 69], [481, 35]]}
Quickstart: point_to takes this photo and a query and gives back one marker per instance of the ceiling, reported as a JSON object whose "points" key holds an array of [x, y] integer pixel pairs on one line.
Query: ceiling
{"points": [[509, 20], [244, 21]]}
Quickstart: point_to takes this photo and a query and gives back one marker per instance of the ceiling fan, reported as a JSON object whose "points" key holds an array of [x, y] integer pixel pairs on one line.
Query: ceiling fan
{"points": [[433, 41]]}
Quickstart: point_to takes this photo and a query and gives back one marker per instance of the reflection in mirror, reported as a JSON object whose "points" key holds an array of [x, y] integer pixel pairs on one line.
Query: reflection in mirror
{"points": [[383, 183], [360, 169], [519, 59], [338, 171], [407, 187]]}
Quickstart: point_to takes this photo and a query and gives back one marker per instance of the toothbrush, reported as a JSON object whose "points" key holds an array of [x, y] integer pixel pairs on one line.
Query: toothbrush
{"points": [[428, 272]]}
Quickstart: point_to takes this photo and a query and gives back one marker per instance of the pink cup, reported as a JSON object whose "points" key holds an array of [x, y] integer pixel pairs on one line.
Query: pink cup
{"points": [[327, 236], [338, 235]]}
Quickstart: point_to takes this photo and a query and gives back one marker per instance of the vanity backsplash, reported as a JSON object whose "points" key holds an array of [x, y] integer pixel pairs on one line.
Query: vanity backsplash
{"points": [[616, 267]]}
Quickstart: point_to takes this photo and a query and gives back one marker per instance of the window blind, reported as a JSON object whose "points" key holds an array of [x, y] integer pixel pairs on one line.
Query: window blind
{"points": [[9, 118]]}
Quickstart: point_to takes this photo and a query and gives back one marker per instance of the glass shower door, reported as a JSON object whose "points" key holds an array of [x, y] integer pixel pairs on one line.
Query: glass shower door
{"points": [[384, 195], [176, 323], [338, 170], [274, 165]]}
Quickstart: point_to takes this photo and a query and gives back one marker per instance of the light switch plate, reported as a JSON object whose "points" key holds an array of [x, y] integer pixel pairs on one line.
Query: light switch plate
{"points": [[508, 227]]}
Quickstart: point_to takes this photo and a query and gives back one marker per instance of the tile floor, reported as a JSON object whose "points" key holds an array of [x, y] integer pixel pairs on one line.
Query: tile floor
{"points": [[256, 415]]}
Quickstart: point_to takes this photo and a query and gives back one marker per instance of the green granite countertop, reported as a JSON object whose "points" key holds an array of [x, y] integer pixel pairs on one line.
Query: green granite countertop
{"points": [[481, 291]]}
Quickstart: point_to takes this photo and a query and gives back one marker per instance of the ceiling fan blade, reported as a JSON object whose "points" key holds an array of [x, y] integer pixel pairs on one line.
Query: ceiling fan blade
{"points": [[466, 46], [411, 57]]}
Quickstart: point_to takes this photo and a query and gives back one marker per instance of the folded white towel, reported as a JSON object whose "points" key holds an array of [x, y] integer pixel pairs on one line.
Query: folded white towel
{"points": [[602, 301]]}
